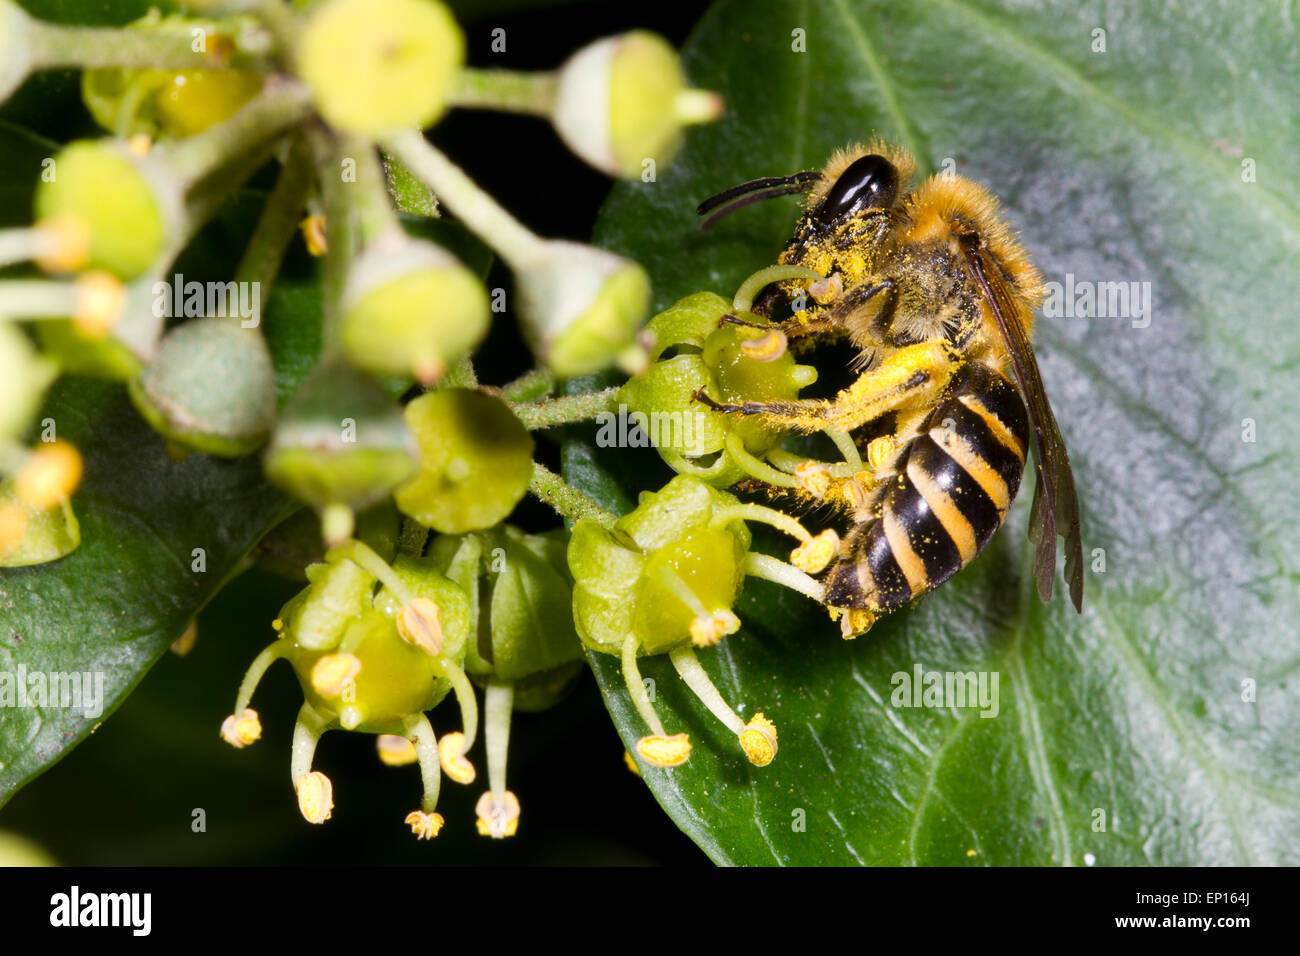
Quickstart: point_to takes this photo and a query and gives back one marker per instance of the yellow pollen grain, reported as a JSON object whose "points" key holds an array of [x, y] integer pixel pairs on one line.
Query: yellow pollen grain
{"points": [[661, 750], [451, 754], [394, 750], [766, 348], [315, 796], [758, 740]]}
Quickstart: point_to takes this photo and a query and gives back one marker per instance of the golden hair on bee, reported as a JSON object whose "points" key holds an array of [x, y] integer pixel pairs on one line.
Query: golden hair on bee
{"points": [[944, 199]]}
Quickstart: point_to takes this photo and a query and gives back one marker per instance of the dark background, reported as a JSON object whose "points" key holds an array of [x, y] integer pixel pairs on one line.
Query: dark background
{"points": [[127, 795]]}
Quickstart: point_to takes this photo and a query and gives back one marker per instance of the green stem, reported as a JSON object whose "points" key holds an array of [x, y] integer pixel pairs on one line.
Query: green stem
{"points": [[564, 410], [530, 386], [256, 670], [340, 235], [412, 539], [498, 705], [565, 499], [479, 211], [692, 672], [461, 374], [511, 91], [275, 109], [373, 207], [754, 467], [466, 700], [417, 726], [636, 687], [362, 555], [54, 46], [37, 299], [278, 223]]}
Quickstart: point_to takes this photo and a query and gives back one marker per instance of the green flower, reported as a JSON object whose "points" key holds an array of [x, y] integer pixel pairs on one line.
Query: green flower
{"points": [[695, 351]]}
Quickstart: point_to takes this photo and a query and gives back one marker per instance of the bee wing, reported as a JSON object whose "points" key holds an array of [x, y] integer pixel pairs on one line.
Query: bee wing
{"points": [[1056, 504]]}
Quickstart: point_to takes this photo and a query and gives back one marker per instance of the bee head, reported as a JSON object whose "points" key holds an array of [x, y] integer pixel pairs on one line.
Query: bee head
{"points": [[870, 182]]}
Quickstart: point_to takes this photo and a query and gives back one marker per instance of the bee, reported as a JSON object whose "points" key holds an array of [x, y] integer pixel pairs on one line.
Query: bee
{"points": [[936, 296]]}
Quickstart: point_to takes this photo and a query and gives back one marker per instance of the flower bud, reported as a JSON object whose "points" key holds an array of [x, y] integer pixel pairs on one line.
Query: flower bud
{"points": [[380, 65], [581, 306], [341, 438], [476, 460], [129, 203], [211, 387], [411, 309], [624, 100]]}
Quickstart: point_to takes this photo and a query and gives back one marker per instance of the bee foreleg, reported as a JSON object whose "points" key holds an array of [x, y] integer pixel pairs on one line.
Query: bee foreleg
{"points": [[911, 376]]}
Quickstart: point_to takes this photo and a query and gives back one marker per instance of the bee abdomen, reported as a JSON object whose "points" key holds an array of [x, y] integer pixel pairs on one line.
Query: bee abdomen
{"points": [[956, 482]]}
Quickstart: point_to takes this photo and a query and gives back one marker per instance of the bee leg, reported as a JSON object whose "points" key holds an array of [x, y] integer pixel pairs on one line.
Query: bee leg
{"points": [[911, 376]]}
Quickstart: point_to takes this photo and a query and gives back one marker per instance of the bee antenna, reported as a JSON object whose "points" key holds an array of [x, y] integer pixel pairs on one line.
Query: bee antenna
{"points": [[756, 190]]}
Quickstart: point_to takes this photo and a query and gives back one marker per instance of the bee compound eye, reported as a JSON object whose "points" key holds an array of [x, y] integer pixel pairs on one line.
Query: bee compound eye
{"points": [[868, 183]]}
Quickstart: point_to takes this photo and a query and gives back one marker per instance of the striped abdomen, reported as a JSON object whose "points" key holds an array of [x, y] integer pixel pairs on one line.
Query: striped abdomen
{"points": [[955, 483]]}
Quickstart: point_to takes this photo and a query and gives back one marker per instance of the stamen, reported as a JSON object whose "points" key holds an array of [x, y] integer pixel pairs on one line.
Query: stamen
{"points": [[420, 731], [847, 446], [451, 754], [253, 675], [497, 818], [636, 688], [813, 555], [708, 631], [753, 466], [660, 750], [332, 674], [778, 572], [758, 740], [315, 796], [420, 623], [754, 512], [240, 730], [751, 287], [695, 677]]}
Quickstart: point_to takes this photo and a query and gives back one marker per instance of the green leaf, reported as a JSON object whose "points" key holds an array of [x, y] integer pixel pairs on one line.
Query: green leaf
{"points": [[159, 538], [1158, 727]]}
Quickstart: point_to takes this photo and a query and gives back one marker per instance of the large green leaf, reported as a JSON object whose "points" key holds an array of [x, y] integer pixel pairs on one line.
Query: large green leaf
{"points": [[159, 538], [1129, 734]]}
